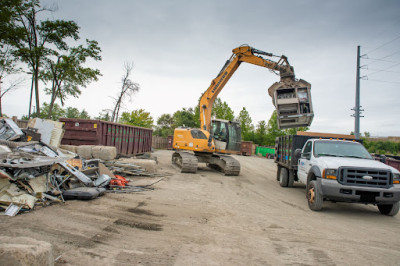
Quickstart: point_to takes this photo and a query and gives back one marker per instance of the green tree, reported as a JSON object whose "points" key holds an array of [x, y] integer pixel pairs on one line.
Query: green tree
{"points": [[246, 124], [66, 73], [104, 115], [196, 116], [261, 133], [56, 113], [272, 130], [293, 131], [71, 112], [84, 114], [164, 126], [185, 118], [33, 40], [139, 118], [221, 110]]}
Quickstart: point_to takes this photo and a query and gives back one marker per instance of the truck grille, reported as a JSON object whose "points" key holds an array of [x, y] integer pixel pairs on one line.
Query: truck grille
{"points": [[365, 177]]}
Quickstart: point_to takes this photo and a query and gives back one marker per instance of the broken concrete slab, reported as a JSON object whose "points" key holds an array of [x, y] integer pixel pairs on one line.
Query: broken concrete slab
{"points": [[25, 251]]}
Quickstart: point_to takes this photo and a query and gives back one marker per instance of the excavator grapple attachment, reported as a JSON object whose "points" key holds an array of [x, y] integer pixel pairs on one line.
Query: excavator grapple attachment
{"points": [[292, 100]]}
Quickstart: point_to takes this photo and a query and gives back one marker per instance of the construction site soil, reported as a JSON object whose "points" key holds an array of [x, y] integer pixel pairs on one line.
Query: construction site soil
{"points": [[211, 219]]}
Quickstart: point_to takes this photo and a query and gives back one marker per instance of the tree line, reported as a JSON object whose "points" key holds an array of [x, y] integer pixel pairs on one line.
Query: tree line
{"points": [[264, 133]]}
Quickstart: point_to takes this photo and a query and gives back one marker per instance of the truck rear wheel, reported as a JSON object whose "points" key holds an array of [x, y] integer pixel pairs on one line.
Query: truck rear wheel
{"points": [[314, 196], [389, 209], [284, 177]]}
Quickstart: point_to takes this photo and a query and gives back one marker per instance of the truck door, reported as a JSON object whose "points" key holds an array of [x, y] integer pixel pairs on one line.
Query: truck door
{"points": [[305, 162]]}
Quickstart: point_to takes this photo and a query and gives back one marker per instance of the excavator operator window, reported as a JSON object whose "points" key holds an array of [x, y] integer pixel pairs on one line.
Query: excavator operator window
{"points": [[197, 134], [235, 137], [217, 131]]}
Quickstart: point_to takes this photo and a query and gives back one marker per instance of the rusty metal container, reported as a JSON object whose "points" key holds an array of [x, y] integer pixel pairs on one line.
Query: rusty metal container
{"points": [[246, 148], [129, 140]]}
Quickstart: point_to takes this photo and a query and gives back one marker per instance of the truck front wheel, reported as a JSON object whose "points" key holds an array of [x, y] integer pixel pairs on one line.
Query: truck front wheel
{"points": [[284, 177], [314, 196], [389, 209]]}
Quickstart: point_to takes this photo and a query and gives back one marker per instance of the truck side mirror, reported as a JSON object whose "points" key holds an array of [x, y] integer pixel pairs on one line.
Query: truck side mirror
{"points": [[297, 154], [306, 155]]}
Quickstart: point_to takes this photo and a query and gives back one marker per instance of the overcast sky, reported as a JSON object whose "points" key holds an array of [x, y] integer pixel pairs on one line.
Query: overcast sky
{"points": [[179, 46]]}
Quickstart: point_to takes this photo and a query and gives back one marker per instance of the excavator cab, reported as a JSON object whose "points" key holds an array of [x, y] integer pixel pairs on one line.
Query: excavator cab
{"points": [[227, 135], [293, 104]]}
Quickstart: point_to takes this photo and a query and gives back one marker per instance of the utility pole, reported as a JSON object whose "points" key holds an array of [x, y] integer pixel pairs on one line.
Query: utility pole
{"points": [[357, 109]]}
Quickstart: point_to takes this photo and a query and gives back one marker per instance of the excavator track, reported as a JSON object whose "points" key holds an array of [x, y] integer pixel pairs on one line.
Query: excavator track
{"points": [[226, 164], [185, 161]]}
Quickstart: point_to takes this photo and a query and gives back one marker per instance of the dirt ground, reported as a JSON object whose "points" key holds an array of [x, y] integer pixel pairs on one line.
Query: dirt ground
{"points": [[211, 219]]}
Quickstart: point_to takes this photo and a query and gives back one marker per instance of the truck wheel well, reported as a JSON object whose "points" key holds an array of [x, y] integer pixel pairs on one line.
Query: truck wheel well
{"points": [[311, 177]]}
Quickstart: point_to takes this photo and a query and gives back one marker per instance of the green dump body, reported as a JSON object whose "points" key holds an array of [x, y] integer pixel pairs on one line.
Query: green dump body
{"points": [[264, 151]]}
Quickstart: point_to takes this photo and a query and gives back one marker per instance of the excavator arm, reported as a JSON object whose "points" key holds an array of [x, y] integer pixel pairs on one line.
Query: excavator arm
{"points": [[291, 98], [241, 54]]}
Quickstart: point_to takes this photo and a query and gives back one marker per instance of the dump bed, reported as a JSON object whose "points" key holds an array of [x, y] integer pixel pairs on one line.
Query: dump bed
{"points": [[286, 145]]}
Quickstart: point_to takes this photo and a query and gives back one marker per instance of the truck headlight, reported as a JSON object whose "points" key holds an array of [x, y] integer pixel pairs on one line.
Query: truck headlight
{"points": [[330, 173], [396, 178]]}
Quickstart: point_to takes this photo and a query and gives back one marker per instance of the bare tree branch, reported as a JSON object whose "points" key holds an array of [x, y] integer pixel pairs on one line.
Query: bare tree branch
{"points": [[128, 89]]}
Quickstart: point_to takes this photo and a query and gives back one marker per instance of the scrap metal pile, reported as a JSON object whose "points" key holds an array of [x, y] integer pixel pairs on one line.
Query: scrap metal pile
{"points": [[33, 173]]}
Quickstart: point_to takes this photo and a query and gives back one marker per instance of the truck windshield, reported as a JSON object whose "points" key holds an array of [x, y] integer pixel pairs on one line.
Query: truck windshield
{"points": [[340, 149]]}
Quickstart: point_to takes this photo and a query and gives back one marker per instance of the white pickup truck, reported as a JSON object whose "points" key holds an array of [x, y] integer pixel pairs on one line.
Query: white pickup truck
{"points": [[337, 170]]}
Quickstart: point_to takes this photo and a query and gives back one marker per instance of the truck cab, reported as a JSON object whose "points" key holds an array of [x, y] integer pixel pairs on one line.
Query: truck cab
{"points": [[338, 170]]}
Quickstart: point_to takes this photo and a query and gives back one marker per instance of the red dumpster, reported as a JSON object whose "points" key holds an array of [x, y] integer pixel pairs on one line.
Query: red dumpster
{"points": [[129, 140]]}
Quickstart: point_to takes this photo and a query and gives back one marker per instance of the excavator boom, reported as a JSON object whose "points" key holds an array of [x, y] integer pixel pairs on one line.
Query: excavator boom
{"points": [[287, 80]]}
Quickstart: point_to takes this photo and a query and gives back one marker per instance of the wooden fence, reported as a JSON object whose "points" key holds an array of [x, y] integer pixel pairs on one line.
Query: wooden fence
{"points": [[160, 143]]}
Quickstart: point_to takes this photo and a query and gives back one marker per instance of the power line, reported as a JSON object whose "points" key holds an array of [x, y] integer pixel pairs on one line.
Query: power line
{"points": [[398, 51], [382, 59], [385, 81], [389, 71], [398, 37], [378, 59], [383, 69]]}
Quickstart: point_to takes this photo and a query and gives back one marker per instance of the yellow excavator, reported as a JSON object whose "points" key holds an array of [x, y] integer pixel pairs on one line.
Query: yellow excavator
{"points": [[217, 138]]}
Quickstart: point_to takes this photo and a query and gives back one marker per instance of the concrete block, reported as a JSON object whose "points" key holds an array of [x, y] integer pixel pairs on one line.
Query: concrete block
{"points": [[85, 151], [71, 148], [25, 251], [105, 153]]}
